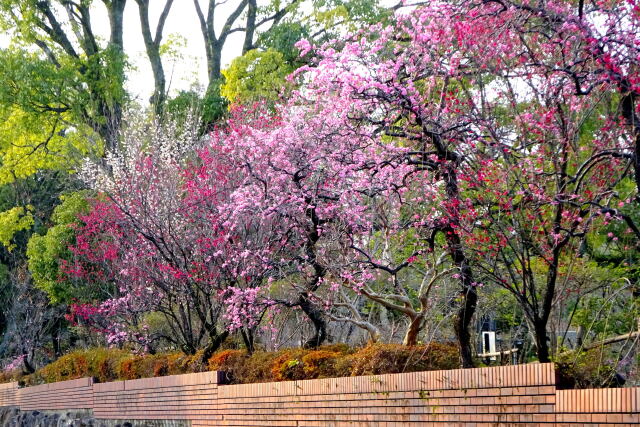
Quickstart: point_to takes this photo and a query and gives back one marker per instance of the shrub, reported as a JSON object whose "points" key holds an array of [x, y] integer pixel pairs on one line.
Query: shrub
{"points": [[68, 367], [161, 367], [320, 363], [224, 358], [103, 363], [8, 376], [332, 361], [378, 359], [288, 366], [255, 369], [285, 365], [585, 370], [128, 369]]}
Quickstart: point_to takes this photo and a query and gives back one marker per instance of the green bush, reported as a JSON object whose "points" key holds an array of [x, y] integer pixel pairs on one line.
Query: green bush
{"points": [[585, 370]]}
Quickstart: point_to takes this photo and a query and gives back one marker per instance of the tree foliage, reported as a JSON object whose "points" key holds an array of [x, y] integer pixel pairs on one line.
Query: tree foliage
{"points": [[47, 253]]}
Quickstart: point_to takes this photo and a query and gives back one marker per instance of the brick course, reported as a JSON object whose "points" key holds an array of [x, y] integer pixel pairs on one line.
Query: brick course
{"points": [[507, 395]]}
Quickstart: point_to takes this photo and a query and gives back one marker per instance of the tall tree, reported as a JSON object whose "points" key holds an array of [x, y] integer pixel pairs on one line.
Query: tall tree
{"points": [[152, 42], [71, 43], [215, 40]]}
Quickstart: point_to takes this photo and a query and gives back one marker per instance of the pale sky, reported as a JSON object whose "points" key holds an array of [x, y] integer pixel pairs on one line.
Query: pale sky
{"points": [[182, 22]]}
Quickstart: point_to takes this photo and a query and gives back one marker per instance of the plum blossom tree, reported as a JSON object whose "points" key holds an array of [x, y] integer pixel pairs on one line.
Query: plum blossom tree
{"points": [[400, 85], [445, 80], [160, 236], [309, 177]]}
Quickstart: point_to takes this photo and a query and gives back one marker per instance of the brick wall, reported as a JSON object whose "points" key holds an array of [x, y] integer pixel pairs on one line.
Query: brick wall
{"points": [[510, 395], [74, 394], [8, 394], [184, 397], [518, 394], [597, 406]]}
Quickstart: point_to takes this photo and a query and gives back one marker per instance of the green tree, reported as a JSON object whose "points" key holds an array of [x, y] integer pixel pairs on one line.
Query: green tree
{"points": [[256, 75], [46, 252], [92, 72]]}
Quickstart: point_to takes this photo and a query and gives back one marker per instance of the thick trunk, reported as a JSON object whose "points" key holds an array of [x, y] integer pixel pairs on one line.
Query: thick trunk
{"points": [[248, 339], [109, 126], [116, 16], [214, 66], [215, 341], [251, 26], [629, 113], [468, 294], [316, 317], [159, 94], [111, 106], [540, 322], [462, 321], [542, 341], [411, 337], [27, 366], [214, 45], [152, 46]]}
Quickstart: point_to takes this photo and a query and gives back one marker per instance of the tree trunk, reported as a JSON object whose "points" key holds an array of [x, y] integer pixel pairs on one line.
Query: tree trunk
{"points": [[251, 26], [579, 337], [55, 338], [315, 315], [248, 339], [215, 342], [152, 46], [111, 109], [159, 95], [462, 320], [116, 15], [411, 337], [214, 66], [468, 293], [542, 343], [629, 113], [27, 366], [109, 129]]}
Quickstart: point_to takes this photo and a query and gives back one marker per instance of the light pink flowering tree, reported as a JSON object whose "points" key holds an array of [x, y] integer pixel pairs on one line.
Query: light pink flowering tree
{"points": [[307, 179]]}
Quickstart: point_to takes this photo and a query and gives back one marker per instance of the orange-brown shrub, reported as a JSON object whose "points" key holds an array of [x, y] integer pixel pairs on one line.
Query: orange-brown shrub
{"points": [[68, 367], [161, 367], [256, 368], [320, 363], [225, 357], [288, 364], [128, 369], [8, 376], [100, 363], [332, 361], [378, 359]]}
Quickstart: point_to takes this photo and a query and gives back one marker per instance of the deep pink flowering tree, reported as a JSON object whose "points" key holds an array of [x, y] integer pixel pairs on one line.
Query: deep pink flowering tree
{"points": [[493, 100], [162, 240]]}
